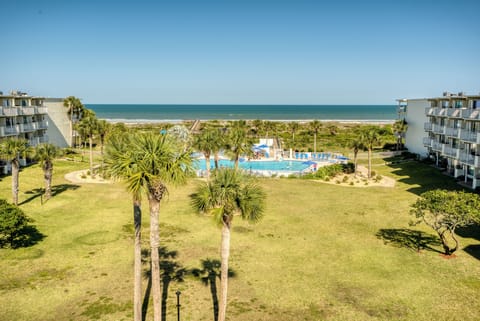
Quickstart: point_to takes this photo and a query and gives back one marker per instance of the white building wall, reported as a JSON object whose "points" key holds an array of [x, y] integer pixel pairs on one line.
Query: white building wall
{"points": [[59, 127], [415, 117]]}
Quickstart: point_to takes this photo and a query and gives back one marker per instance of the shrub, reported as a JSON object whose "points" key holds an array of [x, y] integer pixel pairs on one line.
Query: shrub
{"points": [[345, 179], [374, 173], [14, 228]]}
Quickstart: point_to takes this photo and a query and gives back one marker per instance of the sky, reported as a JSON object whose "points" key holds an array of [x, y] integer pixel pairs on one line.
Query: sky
{"points": [[240, 51]]}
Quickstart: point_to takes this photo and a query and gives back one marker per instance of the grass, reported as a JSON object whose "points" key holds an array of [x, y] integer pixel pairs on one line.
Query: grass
{"points": [[322, 252]]}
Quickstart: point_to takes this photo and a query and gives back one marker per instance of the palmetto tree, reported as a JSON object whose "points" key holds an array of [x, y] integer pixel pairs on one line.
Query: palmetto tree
{"points": [[228, 194], [89, 127], [399, 129], [121, 165], [370, 137], [208, 142], [356, 144], [315, 126], [45, 154], [293, 127], [156, 160], [75, 111], [12, 149], [238, 143]]}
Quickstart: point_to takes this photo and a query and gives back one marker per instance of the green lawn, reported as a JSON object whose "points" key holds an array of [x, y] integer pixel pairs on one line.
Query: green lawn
{"points": [[323, 252]]}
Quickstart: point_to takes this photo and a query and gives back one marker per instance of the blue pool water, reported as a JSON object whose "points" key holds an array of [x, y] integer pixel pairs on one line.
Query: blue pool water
{"points": [[291, 166]]}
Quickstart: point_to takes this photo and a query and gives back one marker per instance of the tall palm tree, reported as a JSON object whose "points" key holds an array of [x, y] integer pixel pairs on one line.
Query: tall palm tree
{"points": [[208, 142], [399, 129], [46, 153], [158, 160], [356, 144], [121, 165], [229, 193], [238, 143], [103, 127], [89, 126], [370, 137], [12, 149], [75, 111], [315, 125]]}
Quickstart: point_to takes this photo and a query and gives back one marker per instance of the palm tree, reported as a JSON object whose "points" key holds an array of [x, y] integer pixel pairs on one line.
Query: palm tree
{"points": [[157, 160], [46, 153], [208, 142], [229, 193], [370, 137], [103, 127], [12, 149], [121, 166], [399, 129], [75, 108], [238, 143], [315, 125], [89, 126], [356, 144]]}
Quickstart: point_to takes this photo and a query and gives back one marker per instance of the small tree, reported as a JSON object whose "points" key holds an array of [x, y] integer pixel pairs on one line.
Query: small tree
{"points": [[444, 211], [13, 223], [46, 153]]}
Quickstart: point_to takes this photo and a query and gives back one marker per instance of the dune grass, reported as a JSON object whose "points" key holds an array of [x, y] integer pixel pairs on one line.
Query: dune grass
{"points": [[322, 252]]}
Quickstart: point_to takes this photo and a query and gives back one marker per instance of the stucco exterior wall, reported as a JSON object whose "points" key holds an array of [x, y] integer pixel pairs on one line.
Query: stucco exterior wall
{"points": [[415, 117], [59, 128]]}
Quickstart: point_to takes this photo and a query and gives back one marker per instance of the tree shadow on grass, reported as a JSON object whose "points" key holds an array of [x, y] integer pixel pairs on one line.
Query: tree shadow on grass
{"points": [[473, 250], [208, 274], [170, 270], [410, 239], [57, 189], [26, 237]]}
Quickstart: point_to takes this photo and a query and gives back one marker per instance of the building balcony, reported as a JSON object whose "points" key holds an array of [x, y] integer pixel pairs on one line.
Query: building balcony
{"points": [[452, 132], [427, 127], [469, 159], [10, 130], [436, 146], [454, 112], [40, 110], [438, 129], [469, 136], [28, 111], [9, 111], [450, 151], [427, 141], [436, 111], [28, 127], [42, 125]]}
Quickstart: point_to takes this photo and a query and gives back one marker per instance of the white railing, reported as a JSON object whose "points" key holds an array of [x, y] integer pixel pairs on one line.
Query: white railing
{"points": [[28, 110], [437, 146], [427, 141], [470, 136], [438, 129], [27, 127], [449, 131], [467, 158], [40, 110], [427, 126], [10, 111], [11, 130], [450, 151], [42, 125]]}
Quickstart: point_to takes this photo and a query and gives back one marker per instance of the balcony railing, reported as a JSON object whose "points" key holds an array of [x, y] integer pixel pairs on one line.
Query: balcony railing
{"points": [[467, 158], [40, 110], [427, 141], [450, 151], [454, 113], [469, 136], [438, 129], [28, 110], [452, 132], [427, 127], [11, 130], [8, 111], [28, 127], [437, 146], [42, 125]]}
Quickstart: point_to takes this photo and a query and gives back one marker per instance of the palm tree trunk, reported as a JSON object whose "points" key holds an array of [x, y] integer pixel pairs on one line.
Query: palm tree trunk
{"points": [[315, 143], [48, 173], [355, 155], [369, 163], [90, 143], [156, 191], [225, 253], [215, 157], [237, 157], [137, 268], [15, 170], [207, 164]]}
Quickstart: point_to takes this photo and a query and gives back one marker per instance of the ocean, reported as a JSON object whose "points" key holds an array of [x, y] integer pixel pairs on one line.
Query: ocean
{"points": [[138, 113]]}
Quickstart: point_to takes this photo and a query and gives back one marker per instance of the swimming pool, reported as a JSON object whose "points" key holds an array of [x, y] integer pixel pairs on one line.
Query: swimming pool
{"points": [[274, 166]]}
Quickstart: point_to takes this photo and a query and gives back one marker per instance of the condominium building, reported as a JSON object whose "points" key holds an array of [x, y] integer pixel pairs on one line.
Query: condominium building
{"points": [[446, 129], [23, 116]]}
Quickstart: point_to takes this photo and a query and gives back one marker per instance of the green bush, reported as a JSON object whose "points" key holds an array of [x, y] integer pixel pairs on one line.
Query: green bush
{"points": [[14, 228]]}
